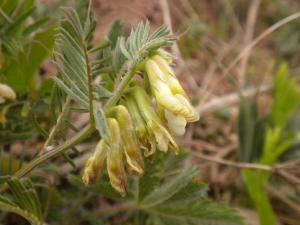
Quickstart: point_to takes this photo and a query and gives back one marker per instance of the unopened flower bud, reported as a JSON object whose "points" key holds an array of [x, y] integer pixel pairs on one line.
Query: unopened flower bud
{"points": [[163, 139], [94, 165], [115, 164], [129, 140], [167, 90], [7, 92], [140, 128]]}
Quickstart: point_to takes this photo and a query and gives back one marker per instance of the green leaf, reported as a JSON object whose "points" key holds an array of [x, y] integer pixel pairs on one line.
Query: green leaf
{"points": [[39, 24], [19, 21], [9, 164], [166, 191], [197, 211], [140, 42], [78, 66], [115, 32], [26, 203], [182, 201], [286, 97], [276, 141], [9, 206], [100, 120], [256, 182], [22, 77], [251, 131]]}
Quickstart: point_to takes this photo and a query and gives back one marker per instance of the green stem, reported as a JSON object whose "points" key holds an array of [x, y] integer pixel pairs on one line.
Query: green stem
{"points": [[58, 124], [120, 89], [90, 85], [82, 135], [53, 153]]}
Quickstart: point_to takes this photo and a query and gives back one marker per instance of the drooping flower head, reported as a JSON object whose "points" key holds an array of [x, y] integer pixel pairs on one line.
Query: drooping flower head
{"points": [[115, 162], [108, 150], [142, 121], [156, 134], [95, 164], [169, 94], [130, 144]]}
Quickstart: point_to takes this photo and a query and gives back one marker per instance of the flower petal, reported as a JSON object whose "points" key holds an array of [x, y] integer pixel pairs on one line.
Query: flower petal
{"points": [[176, 123], [7, 92], [115, 165], [94, 165], [129, 141]]}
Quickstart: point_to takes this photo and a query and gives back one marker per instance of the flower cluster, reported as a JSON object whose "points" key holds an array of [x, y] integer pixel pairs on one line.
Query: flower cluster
{"points": [[142, 121]]}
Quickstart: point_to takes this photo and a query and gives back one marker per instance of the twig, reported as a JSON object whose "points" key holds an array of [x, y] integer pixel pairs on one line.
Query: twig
{"points": [[167, 20], [251, 20], [215, 173], [218, 103], [201, 145], [58, 124], [175, 49], [284, 199], [234, 164], [293, 180], [277, 169], [289, 164], [270, 30]]}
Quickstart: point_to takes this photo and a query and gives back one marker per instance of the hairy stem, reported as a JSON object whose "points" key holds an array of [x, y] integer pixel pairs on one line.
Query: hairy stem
{"points": [[53, 153], [120, 89], [79, 137], [57, 125], [90, 85]]}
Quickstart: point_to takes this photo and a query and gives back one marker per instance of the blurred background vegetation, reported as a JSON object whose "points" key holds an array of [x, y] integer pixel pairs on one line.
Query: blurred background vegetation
{"points": [[246, 144]]}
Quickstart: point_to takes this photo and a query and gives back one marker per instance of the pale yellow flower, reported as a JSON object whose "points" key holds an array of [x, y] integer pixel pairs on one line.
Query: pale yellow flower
{"points": [[108, 150], [170, 95], [94, 166], [115, 163], [6, 92], [129, 144], [155, 129]]}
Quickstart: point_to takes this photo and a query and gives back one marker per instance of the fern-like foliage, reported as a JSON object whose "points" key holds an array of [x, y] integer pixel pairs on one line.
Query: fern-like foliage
{"points": [[77, 65], [24, 201], [141, 42], [182, 201], [70, 58]]}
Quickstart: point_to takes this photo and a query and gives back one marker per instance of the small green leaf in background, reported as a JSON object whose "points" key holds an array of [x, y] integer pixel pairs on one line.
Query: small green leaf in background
{"points": [[286, 97], [251, 129], [100, 121], [276, 142], [23, 78]]}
